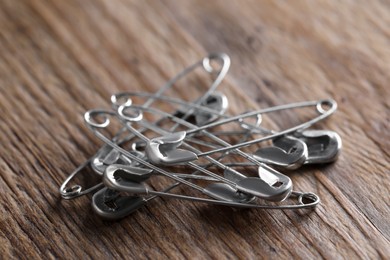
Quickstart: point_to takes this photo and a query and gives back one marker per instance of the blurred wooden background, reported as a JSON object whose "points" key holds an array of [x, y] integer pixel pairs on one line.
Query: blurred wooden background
{"points": [[61, 58]]}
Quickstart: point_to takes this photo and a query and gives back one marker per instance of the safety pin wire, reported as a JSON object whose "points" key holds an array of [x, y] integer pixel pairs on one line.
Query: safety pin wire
{"points": [[300, 195], [302, 126], [323, 114]]}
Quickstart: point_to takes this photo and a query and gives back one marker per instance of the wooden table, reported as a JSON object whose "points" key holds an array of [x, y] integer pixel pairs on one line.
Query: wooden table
{"points": [[61, 58]]}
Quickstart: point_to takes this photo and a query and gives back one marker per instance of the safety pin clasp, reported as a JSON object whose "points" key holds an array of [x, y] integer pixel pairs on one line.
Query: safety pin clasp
{"points": [[324, 146], [163, 150], [288, 152], [111, 205]]}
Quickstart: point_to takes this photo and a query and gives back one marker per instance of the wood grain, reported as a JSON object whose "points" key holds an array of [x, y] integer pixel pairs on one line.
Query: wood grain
{"points": [[61, 58]]}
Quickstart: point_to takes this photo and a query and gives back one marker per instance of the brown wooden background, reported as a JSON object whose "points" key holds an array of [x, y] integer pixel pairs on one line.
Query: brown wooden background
{"points": [[61, 58]]}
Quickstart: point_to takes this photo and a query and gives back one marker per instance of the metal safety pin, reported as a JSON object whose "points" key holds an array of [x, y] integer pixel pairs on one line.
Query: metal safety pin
{"points": [[205, 63], [138, 188], [94, 125], [229, 197], [263, 187], [279, 193], [127, 103], [299, 148], [128, 171], [132, 182], [119, 206], [317, 104], [154, 153], [257, 187], [139, 174], [254, 186]]}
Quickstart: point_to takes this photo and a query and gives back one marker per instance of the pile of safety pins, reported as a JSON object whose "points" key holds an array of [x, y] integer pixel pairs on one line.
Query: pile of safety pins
{"points": [[187, 144]]}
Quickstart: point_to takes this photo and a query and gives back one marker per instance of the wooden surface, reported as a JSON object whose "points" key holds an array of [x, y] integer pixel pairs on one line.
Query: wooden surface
{"points": [[61, 58]]}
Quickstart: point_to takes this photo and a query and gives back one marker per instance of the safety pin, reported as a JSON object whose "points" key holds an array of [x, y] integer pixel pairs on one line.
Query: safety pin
{"points": [[94, 125], [138, 174], [125, 205], [300, 195], [209, 190], [302, 156], [206, 64], [172, 145], [246, 133], [210, 112], [318, 104], [245, 184], [136, 188], [126, 96], [250, 185], [133, 183], [121, 206]]}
